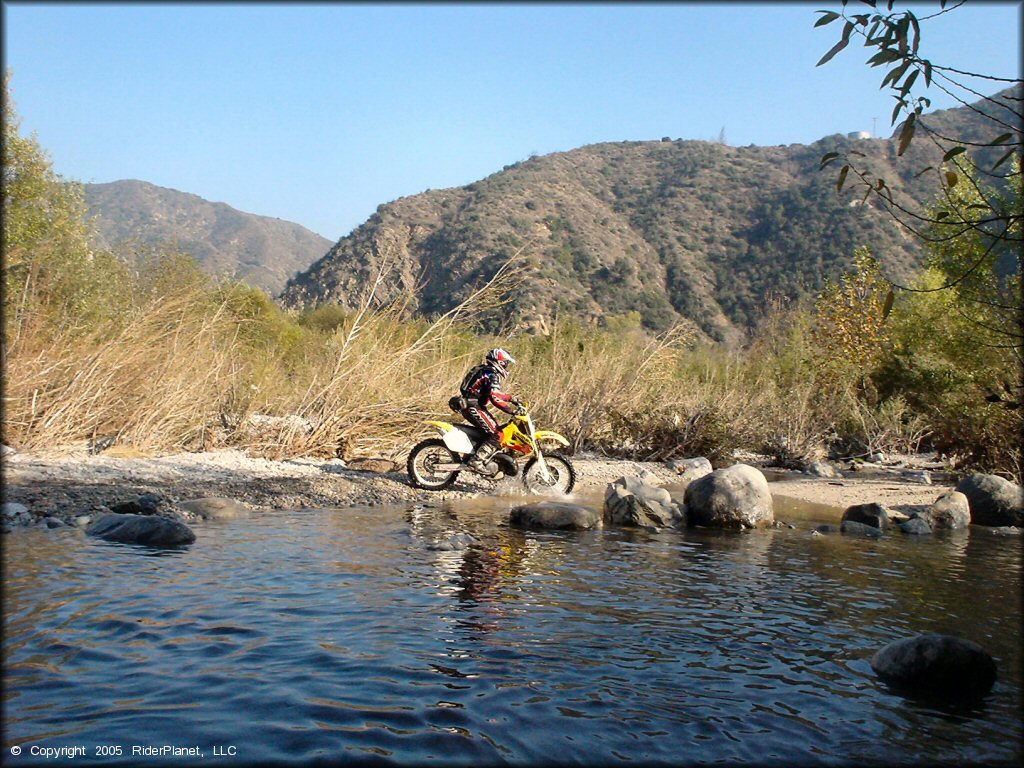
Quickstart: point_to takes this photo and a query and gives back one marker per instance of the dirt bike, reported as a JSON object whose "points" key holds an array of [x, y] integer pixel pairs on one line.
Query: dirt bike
{"points": [[433, 464]]}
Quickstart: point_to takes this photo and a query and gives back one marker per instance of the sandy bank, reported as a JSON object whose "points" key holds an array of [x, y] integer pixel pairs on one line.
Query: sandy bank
{"points": [[72, 486]]}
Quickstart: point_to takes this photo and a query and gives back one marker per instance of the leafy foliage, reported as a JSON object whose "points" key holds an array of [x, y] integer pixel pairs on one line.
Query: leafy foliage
{"points": [[994, 142], [49, 267], [851, 314]]}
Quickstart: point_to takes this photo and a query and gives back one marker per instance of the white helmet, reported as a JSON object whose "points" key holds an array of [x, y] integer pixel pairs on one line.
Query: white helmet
{"points": [[500, 360]]}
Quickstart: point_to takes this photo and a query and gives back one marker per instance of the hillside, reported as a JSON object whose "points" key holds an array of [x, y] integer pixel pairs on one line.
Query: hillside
{"points": [[261, 250], [672, 229]]}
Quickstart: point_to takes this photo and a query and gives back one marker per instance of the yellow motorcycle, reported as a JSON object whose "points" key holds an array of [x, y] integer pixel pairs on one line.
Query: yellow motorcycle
{"points": [[433, 464]]}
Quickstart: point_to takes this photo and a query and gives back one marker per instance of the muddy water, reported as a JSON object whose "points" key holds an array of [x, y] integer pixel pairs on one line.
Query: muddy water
{"points": [[417, 634]]}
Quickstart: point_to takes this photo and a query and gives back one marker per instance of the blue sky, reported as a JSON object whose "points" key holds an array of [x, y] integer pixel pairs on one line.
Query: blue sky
{"points": [[318, 113]]}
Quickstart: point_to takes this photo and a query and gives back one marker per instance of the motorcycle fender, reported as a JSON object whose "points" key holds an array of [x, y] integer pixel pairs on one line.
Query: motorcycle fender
{"points": [[454, 438], [548, 435]]}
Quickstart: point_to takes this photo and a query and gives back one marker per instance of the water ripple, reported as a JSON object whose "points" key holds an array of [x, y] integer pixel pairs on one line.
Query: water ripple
{"points": [[348, 635]]}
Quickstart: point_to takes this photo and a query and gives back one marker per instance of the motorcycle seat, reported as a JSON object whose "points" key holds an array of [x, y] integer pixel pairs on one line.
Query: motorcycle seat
{"points": [[476, 435]]}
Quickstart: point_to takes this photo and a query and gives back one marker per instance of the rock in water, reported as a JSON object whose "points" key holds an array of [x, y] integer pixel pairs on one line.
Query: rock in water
{"points": [[940, 665], [150, 530], [993, 500], [873, 514], [951, 511], [916, 526], [633, 502], [555, 514], [734, 497], [215, 508]]}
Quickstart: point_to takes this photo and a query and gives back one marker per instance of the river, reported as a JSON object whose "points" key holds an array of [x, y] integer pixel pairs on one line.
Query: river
{"points": [[377, 635]]}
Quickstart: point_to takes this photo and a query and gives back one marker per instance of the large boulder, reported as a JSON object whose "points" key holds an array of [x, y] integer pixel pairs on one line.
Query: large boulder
{"points": [[150, 530], [632, 501], [993, 500], [951, 512], [873, 515], [555, 514], [933, 664], [215, 508], [733, 497]]}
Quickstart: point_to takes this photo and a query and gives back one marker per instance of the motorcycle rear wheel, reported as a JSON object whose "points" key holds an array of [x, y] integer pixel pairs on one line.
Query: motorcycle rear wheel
{"points": [[562, 475], [423, 458]]}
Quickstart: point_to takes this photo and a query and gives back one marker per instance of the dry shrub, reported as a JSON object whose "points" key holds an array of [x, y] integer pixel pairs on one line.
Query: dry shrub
{"points": [[369, 387], [153, 382], [578, 377]]}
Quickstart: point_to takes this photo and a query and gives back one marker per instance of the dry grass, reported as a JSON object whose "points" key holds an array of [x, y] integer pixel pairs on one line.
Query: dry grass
{"points": [[189, 372]]}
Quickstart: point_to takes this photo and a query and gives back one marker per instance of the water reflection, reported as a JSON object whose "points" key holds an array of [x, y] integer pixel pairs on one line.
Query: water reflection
{"points": [[421, 633]]}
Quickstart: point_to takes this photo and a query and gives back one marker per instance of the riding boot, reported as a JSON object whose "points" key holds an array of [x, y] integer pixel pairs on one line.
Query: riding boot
{"points": [[478, 460]]}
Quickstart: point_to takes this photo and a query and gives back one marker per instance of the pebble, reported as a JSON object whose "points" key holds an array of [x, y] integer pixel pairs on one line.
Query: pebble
{"points": [[12, 509], [922, 476]]}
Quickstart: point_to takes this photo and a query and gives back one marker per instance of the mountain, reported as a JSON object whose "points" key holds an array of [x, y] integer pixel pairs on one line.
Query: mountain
{"points": [[671, 229], [261, 250]]}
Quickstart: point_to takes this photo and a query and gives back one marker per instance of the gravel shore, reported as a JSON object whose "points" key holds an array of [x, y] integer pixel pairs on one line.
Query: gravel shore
{"points": [[75, 488]]}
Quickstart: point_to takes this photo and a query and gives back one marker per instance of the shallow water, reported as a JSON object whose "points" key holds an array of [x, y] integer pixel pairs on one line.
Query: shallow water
{"points": [[361, 634]]}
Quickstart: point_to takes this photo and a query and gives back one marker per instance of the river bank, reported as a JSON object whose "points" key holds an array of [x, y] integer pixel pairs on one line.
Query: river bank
{"points": [[71, 486]]}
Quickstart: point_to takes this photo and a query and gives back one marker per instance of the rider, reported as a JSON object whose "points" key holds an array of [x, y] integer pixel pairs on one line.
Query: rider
{"points": [[482, 386]]}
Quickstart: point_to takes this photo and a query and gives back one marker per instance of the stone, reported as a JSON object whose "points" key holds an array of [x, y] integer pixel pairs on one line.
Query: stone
{"points": [[633, 501], [936, 664], [821, 469], [916, 526], [146, 504], [872, 514], [993, 500], [369, 464], [150, 530], [897, 516], [691, 469], [951, 511], [922, 476], [733, 497], [12, 510], [453, 542], [555, 514], [215, 508], [860, 529]]}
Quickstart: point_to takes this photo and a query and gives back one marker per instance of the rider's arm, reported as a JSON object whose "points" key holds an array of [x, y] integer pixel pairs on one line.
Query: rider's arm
{"points": [[503, 402]]}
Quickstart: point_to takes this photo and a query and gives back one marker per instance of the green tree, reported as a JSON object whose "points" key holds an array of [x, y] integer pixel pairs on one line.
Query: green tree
{"points": [[956, 338], [850, 317], [983, 267], [896, 39], [50, 272]]}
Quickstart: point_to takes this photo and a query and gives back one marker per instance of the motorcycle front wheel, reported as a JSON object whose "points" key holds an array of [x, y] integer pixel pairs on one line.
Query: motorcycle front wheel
{"points": [[423, 461], [562, 475]]}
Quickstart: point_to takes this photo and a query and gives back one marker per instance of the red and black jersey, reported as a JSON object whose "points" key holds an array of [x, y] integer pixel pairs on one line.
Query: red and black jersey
{"points": [[481, 386]]}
